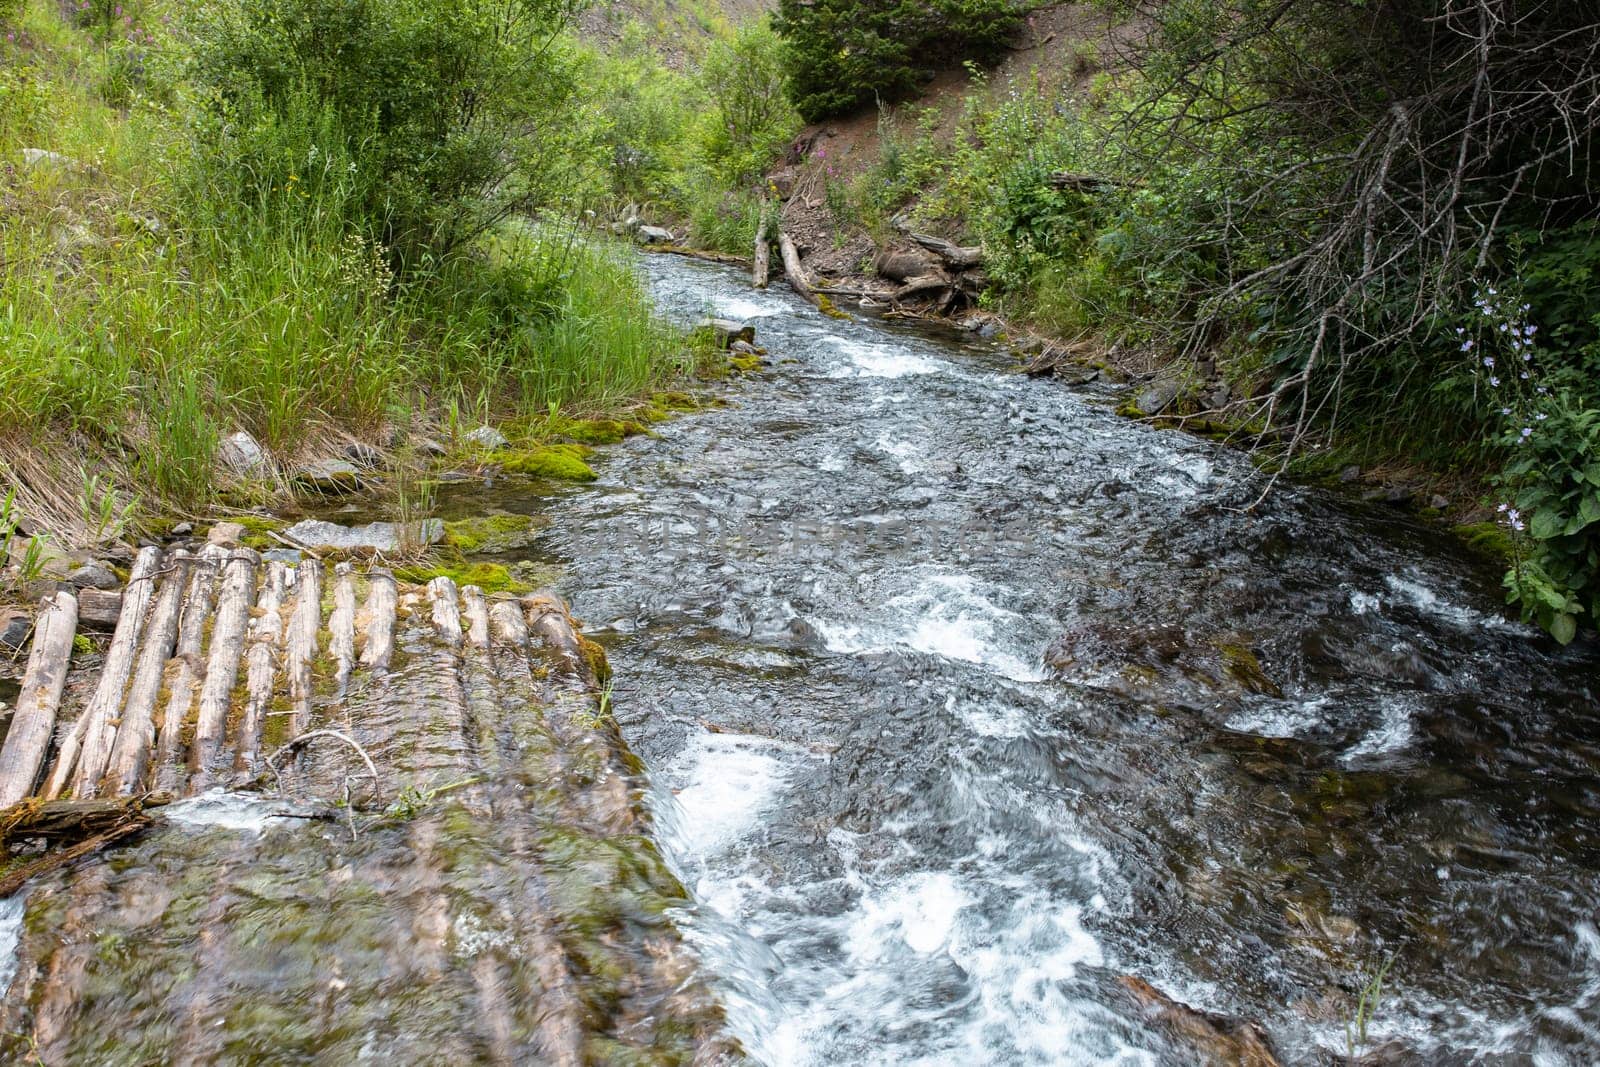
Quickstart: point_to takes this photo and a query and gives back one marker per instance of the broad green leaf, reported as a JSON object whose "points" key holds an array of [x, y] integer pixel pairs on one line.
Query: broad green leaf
{"points": [[1564, 628]]}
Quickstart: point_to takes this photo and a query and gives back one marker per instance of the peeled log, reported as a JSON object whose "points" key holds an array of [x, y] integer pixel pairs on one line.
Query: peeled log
{"points": [[94, 731], [763, 256], [130, 754], [302, 643], [342, 629], [446, 612], [793, 270], [187, 668], [381, 600], [35, 717], [227, 647], [261, 663], [477, 615]]}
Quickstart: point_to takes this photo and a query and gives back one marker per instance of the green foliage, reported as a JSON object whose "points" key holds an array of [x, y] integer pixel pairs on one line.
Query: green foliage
{"points": [[751, 120], [445, 113], [843, 54]]}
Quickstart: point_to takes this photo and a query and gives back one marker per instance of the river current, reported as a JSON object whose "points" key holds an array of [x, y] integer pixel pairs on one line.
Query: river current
{"points": [[965, 697]]}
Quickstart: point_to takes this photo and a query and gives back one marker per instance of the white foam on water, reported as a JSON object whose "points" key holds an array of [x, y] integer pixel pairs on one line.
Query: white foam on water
{"points": [[1364, 603], [729, 780], [1412, 592], [1280, 720], [12, 910], [991, 718], [946, 615], [245, 812], [742, 307], [1394, 733], [909, 456], [867, 359]]}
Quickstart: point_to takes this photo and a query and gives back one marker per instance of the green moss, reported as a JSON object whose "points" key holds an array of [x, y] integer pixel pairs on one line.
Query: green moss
{"points": [[747, 364], [491, 533], [595, 431], [1488, 539], [256, 530], [81, 645], [490, 577], [557, 462], [1244, 667], [595, 657], [827, 307]]}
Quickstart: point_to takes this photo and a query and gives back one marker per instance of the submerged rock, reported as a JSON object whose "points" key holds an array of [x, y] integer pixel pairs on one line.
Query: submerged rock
{"points": [[1219, 1040], [375, 536], [726, 332]]}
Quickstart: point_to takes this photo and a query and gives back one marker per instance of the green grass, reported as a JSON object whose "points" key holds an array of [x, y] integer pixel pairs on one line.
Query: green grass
{"points": [[146, 310]]}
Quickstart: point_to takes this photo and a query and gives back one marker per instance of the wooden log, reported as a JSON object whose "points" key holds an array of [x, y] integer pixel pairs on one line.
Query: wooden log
{"points": [[86, 749], [302, 643], [222, 665], [549, 621], [941, 284], [793, 270], [446, 612], [342, 628], [261, 664], [1088, 183], [477, 615], [57, 821], [762, 261], [382, 598], [187, 668], [957, 257], [99, 608], [34, 719], [510, 625], [130, 753]]}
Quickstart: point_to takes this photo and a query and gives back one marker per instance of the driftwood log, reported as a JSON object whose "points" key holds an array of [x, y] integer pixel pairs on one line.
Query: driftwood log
{"points": [[78, 826], [135, 733], [35, 717], [793, 270], [222, 666], [761, 262]]}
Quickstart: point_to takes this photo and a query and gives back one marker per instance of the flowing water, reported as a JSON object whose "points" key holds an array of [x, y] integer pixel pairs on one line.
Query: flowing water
{"points": [[965, 697]]}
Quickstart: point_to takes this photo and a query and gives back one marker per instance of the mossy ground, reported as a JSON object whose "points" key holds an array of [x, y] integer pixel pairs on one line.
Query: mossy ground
{"points": [[555, 462], [491, 533]]}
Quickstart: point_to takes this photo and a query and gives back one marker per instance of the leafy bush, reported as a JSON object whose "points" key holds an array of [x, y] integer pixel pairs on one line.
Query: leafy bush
{"points": [[751, 120], [448, 110], [843, 54]]}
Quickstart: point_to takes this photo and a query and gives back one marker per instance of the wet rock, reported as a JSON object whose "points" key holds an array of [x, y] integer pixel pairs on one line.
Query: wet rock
{"points": [[226, 534], [654, 235], [724, 332], [242, 453], [1218, 1039], [745, 348], [375, 536], [487, 437], [329, 476], [990, 329], [99, 608], [1077, 375], [1156, 397], [15, 626], [94, 575]]}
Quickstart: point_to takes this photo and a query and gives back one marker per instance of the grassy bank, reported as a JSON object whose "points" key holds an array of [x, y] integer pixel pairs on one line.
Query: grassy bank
{"points": [[192, 258]]}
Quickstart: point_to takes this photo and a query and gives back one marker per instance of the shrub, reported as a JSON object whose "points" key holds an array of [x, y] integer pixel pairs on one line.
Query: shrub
{"points": [[843, 54], [750, 120], [448, 110]]}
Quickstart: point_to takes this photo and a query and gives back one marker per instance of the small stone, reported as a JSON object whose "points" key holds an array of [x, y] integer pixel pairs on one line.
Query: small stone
{"points": [[226, 534], [282, 555], [183, 529], [99, 608], [1156, 397], [745, 348], [487, 437], [363, 454], [1350, 474], [33, 157], [241, 453], [726, 332], [990, 329], [1398, 494], [1077, 375], [94, 575], [329, 476], [376, 536], [654, 235], [1439, 503], [429, 447], [15, 626]]}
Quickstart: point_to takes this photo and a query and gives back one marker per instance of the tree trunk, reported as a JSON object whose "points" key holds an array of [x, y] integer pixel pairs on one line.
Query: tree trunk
{"points": [[222, 667], [35, 717], [94, 731], [302, 643], [762, 264], [261, 664], [130, 754], [793, 270], [381, 599], [342, 629]]}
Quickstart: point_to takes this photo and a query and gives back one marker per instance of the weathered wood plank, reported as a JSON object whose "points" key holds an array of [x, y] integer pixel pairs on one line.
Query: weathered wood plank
{"points": [[42, 683]]}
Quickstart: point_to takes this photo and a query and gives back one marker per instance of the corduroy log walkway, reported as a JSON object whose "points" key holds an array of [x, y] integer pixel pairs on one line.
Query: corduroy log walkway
{"points": [[458, 867]]}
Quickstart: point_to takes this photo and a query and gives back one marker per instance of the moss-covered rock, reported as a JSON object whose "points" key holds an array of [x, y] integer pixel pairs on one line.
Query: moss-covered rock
{"points": [[490, 577], [555, 462], [1488, 539], [492, 533]]}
